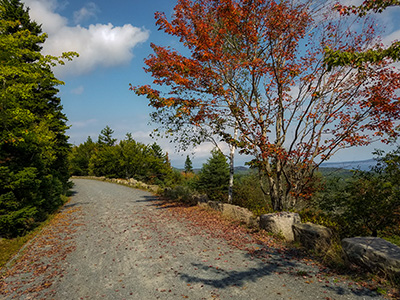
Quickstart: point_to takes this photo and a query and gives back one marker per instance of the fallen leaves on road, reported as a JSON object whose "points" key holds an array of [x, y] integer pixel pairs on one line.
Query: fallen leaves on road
{"points": [[41, 260]]}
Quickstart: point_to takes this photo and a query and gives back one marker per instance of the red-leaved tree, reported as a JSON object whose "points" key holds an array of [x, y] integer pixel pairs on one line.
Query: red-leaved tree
{"points": [[258, 66]]}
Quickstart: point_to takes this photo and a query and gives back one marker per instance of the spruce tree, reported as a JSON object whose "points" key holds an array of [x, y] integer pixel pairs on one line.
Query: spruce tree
{"points": [[188, 165], [33, 144], [105, 137], [214, 177]]}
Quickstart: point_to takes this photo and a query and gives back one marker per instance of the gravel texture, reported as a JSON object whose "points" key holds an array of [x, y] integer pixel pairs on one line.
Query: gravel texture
{"points": [[115, 242]]}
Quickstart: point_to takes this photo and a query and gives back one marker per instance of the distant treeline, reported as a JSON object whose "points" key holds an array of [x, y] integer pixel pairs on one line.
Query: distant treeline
{"points": [[127, 159]]}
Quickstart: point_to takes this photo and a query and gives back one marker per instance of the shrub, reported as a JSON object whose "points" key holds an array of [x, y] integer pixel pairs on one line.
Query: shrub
{"points": [[181, 193], [368, 202], [247, 193]]}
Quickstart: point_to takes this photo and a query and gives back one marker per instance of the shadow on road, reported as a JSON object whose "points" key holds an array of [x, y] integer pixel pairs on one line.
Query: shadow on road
{"points": [[148, 199], [229, 278], [279, 262], [158, 203], [360, 292], [75, 204], [71, 193]]}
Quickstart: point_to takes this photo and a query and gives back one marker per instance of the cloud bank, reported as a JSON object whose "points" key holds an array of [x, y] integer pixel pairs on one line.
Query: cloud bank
{"points": [[99, 45]]}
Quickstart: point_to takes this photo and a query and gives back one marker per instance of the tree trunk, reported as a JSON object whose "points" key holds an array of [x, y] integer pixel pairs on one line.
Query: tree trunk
{"points": [[281, 198], [231, 173], [232, 166]]}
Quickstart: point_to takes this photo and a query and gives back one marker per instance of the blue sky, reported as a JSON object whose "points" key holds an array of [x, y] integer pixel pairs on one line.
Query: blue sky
{"points": [[113, 38]]}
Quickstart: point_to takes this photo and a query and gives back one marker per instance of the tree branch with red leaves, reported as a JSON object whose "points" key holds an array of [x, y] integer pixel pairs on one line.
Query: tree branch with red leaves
{"points": [[259, 66]]}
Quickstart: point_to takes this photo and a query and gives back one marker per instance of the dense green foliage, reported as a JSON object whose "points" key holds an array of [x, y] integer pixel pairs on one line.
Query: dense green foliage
{"points": [[212, 180], [214, 176], [248, 193], [366, 203], [33, 144], [127, 159]]}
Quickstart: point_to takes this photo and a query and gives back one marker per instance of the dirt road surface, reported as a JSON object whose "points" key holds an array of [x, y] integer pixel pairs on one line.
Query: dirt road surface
{"points": [[115, 242]]}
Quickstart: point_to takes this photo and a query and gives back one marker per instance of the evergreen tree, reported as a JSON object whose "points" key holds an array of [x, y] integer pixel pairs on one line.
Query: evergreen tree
{"points": [[105, 137], [79, 158], [33, 144], [214, 177], [188, 165], [128, 159], [131, 159]]}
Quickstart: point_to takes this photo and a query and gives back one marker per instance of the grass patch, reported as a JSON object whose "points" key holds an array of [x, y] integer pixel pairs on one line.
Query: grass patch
{"points": [[394, 239], [10, 247]]}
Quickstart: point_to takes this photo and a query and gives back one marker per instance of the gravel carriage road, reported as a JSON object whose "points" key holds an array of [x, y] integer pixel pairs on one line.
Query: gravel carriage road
{"points": [[115, 242]]}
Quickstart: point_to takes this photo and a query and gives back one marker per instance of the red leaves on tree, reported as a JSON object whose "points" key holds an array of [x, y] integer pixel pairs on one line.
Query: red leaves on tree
{"points": [[259, 66]]}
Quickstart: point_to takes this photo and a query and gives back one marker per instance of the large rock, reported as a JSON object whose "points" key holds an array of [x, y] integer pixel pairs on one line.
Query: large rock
{"points": [[232, 211], [215, 205], [374, 254], [313, 236], [239, 213], [280, 223]]}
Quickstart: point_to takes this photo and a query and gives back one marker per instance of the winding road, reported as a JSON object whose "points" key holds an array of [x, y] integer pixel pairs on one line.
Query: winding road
{"points": [[115, 242]]}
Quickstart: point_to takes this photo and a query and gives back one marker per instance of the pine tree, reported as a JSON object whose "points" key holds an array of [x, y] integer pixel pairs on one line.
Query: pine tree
{"points": [[33, 144], [188, 165], [214, 177], [105, 137]]}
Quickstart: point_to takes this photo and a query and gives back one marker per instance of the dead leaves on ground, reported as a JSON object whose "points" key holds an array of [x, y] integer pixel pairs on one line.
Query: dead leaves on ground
{"points": [[42, 259]]}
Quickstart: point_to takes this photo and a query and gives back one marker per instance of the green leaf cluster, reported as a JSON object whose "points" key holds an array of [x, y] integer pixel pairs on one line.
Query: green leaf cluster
{"points": [[346, 58], [33, 143], [358, 59]]}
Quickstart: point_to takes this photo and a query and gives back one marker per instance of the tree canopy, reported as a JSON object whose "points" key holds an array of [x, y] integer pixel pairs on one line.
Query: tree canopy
{"points": [[33, 144], [259, 66]]}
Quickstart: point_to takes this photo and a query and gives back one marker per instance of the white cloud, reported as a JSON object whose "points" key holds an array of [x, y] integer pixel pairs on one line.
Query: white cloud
{"points": [[78, 91], [42, 11], [88, 11], [394, 36], [102, 45]]}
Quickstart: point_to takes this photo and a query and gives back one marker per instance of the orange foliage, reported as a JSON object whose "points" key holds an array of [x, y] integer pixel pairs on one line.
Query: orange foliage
{"points": [[259, 65]]}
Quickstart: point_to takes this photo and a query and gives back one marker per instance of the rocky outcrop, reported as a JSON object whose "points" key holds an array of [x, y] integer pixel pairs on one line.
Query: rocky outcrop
{"points": [[280, 223], [313, 236], [232, 211], [374, 254]]}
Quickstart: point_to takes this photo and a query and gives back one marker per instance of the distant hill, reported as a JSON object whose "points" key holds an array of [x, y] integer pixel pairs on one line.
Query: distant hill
{"points": [[238, 170], [340, 169], [335, 172], [363, 165]]}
